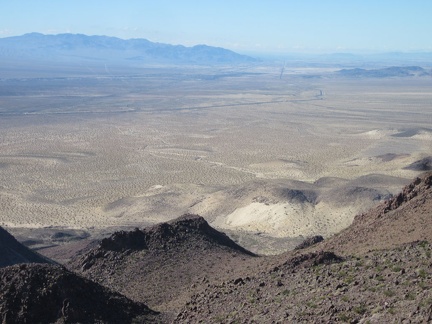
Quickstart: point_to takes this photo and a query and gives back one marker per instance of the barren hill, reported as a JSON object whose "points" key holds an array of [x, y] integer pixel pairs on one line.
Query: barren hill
{"points": [[13, 252], [378, 270], [162, 265], [36, 293]]}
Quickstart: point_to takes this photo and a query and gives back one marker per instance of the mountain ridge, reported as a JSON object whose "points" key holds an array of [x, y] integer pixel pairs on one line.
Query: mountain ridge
{"points": [[74, 47]]}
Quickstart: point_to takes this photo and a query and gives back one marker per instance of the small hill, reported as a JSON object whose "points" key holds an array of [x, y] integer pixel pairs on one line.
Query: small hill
{"points": [[13, 252], [37, 293], [162, 265]]}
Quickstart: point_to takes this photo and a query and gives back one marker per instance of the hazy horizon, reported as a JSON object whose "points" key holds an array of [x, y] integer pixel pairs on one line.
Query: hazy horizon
{"points": [[276, 27]]}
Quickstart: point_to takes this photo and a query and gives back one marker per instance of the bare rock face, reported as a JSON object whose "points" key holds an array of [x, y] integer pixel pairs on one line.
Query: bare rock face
{"points": [[13, 252], [42, 293]]}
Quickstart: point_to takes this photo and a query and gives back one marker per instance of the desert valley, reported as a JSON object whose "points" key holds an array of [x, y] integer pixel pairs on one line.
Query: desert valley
{"points": [[98, 160]]}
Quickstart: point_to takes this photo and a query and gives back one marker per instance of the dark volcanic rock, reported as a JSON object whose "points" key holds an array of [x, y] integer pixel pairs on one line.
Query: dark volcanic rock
{"points": [[36, 293], [183, 230], [313, 259], [380, 287], [121, 241], [13, 252]]}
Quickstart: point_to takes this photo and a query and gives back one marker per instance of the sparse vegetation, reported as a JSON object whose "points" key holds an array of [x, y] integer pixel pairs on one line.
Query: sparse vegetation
{"points": [[270, 160]]}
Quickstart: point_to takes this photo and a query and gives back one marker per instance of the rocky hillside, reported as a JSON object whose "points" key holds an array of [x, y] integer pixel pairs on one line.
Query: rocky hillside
{"points": [[41, 293], [163, 265], [13, 252], [381, 273], [387, 286], [405, 218]]}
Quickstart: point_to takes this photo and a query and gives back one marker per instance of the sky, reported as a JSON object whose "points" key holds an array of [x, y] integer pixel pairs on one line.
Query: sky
{"points": [[245, 26]]}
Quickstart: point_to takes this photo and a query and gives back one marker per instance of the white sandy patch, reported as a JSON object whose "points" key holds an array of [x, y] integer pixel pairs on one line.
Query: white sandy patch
{"points": [[290, 220], [377, 133], [278, 220], [423, 135]]}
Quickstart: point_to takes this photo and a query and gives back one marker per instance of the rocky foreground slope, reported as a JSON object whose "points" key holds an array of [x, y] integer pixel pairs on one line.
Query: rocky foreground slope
{"points": [[390, 286]]}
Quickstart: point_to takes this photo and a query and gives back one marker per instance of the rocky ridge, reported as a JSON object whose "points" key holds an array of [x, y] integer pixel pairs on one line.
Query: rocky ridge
{"points": [[183, 254], [42, 293]]}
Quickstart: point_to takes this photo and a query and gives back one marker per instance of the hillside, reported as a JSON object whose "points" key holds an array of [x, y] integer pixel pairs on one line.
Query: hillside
{"points": [[376, 271], [405, 218], [387, 286], [162, 265], [77, 48], [13, 252], [36, 293]]}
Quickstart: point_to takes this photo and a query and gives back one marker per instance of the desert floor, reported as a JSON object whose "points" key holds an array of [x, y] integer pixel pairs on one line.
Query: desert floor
{"points": [[268, 160]]}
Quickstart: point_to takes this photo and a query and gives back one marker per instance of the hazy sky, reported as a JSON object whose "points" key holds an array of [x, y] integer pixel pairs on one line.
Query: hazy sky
{"points": [[241, 25]]}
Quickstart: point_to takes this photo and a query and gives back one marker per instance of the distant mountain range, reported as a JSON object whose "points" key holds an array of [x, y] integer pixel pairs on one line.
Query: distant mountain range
{"points": [[78, 47]]}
